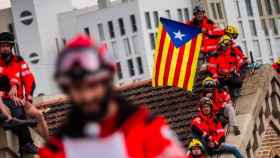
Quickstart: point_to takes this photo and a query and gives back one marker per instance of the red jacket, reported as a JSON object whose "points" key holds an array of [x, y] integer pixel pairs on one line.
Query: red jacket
{"points": [[206, 125], [276, 67], [136, 138], [220, 98], [212, 36], [20, 75], [224, 64], [241, 58]]}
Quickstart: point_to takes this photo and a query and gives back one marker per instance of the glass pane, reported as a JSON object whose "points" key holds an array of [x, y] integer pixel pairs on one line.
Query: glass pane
{"points": [[152, 41], [245, 48], [115, 49], [168, 14], [237, 8], [180, 15], [156, 18], [111, 29], [220, 12], [273, 26], [241, 28], [264, 26], [213, 10], [133, 23], [130, 67], [140, 65], [260, 7], [135, 42], [186, 13], [269, 46], [249, 7], [276, 4], [148, 20], [121, 25], [268, 7], [253, 28], [101, 32], [256, 48], [119, 71], [127, 47]]}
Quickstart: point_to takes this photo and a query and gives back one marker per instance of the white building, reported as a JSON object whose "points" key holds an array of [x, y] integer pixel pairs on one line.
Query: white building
{"points": [[129, 29]]}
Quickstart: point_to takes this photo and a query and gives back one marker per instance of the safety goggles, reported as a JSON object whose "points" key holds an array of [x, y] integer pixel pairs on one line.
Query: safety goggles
{"points": [[87, 59]]}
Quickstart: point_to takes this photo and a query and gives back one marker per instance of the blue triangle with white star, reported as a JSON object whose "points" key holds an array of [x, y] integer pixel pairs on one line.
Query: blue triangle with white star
{"points": [[179, 33]]}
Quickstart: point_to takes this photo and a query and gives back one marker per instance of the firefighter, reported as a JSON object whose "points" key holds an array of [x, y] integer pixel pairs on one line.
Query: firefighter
{"points": [[242, 61], [8, 121], [210, 131], [224, 67], [100, 119], [222, 103], [212, 33], [196, 149], [19, 98], [276, 66]]}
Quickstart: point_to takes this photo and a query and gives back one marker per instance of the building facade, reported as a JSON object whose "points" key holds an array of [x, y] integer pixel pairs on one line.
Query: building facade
{"points": [[129, 29]]}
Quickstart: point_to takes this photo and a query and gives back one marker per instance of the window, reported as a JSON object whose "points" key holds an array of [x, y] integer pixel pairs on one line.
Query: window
{"points": [[240, 25], [101, 32], [249, 7], [273, 26], [119, 71], [133, 23], [253, 28], [135, 42], [11, 28], [168, 14], [115, 49], [148, 20], [111, 29], [276, 4], [245, 48], [121, 24], [87, 32], [256, 48], [140, 65], [259, 3], [237, 8], [220, 12], [269, 46], [152, 41], [130, 67], [268, 7], [214, 13], [127, 47], [156, 18], [180, 15], [186, 14], [264, 26]]}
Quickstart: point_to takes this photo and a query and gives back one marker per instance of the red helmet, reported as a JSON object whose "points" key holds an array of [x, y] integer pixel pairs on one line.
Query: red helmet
{"points": [[83, 60]]}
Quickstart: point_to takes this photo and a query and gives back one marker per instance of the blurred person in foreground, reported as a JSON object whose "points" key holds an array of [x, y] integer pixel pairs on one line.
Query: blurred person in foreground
{"points": [[19, 97], [276, 66], [101, 123]]}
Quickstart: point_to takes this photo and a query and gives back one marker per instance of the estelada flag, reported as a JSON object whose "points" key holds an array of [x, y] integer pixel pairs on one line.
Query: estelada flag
{"points": [[176, 54]]}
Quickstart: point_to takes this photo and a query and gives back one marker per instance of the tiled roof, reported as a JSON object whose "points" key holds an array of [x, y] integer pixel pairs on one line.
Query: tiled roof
{"points": [[177, 105]]}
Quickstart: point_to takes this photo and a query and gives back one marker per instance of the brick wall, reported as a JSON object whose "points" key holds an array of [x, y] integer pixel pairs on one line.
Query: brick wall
{"points": [[270, 146]]}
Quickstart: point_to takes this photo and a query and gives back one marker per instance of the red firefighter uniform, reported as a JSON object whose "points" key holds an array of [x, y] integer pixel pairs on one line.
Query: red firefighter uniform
{"points": [[224, 64], [276, 67], [206, 125], [240, 57], [20, 75], [220, 98], [138, 137], [211, 36]]}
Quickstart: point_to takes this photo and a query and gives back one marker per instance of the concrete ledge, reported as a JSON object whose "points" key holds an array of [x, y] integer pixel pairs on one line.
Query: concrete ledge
{"points": [[8, 144]]}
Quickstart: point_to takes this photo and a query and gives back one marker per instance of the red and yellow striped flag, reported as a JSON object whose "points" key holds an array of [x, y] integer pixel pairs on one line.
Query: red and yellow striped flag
{"points": [[176, 66]]}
